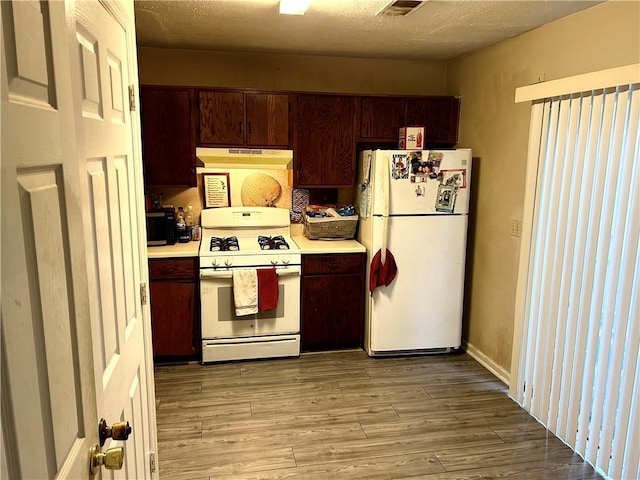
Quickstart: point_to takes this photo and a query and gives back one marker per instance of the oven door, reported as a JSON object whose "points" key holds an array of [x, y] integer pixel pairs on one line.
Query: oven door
{"points": [[219, 319]]}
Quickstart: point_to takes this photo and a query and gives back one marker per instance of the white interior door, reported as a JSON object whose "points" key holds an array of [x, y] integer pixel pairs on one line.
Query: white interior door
{"points": [[104, 40], [66, 196]]}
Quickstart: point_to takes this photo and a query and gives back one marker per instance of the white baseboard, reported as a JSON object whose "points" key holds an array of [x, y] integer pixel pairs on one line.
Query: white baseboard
{"points": [[503, 375]]}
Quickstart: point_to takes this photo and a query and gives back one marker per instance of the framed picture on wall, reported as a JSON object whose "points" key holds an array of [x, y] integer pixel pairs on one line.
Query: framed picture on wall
{"points": [[216, 190]]}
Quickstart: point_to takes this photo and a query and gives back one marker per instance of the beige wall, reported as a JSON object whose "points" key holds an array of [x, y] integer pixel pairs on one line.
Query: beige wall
{"points": [[284, 72], [491, 124], [604, 36], [290, 72]]}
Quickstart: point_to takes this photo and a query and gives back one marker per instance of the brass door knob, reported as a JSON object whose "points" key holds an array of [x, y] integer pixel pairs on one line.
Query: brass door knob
{"points": [[112, 459], [117, 431]]}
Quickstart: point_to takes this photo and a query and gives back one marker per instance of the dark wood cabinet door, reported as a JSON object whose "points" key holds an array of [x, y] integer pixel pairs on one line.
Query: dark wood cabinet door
{"points": [[172, 318], [381, 118], [440, 117], [168, 146], [267, 119], [332, 301], [221, 118], [325, 141], [332, 316]]}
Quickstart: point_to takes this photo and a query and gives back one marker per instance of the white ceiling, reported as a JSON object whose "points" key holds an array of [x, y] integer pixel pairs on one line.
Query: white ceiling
{"points": [[437, 30]]}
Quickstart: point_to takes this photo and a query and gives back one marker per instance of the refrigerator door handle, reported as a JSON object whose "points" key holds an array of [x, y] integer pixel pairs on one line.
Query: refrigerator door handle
{"points": [[385, 209], [386, 187]]}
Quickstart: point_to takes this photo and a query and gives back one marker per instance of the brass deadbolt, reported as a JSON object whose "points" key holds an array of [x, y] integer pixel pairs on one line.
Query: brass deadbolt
{"points": [[117, 431]]}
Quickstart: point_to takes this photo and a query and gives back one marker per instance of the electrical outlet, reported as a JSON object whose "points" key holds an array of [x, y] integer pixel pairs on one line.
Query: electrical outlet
{"points": [[515, 227]]}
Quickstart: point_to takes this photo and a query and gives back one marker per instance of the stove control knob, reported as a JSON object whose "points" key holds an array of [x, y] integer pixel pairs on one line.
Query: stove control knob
{"points": [[285, 260], [228, 262], [214, 262], [274, 262]]}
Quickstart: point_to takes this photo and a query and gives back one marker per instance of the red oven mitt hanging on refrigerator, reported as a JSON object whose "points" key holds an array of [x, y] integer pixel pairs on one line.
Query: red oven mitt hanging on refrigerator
{"points": [[382, 273]]}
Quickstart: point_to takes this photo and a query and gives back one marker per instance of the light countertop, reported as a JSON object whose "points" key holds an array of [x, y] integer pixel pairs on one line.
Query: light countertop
{"points": [[189, 249], [327, 246], [307, 246]]}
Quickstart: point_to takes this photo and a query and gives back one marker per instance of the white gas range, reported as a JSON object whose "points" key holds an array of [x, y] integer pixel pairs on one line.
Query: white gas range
{"points": [[248, 238]]}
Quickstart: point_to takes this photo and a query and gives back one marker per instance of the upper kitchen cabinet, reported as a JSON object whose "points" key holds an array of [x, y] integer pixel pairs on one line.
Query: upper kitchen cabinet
{"points": [[381, 118], [168, 140], [237, 118], [267, 116], [324, 143], [221, 118], [440, 117]]}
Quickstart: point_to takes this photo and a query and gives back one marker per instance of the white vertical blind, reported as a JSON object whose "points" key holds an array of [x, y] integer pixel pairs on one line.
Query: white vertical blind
{"points": [[579, 365]]}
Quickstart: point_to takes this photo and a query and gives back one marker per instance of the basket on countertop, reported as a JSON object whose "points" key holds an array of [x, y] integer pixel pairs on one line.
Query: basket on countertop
{"points": [[333, 227]]}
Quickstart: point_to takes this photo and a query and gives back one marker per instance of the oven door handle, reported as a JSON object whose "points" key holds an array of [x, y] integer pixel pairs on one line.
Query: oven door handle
{"points": [[281, 272]]}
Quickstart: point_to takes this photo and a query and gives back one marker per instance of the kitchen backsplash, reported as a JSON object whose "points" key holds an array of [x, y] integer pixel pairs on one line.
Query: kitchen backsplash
{"points": [[252, 185], [180, 197]]}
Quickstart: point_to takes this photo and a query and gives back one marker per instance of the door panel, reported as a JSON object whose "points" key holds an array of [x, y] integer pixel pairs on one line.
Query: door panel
{"points": [[71, 325], [221, 118], [48, 406], [422, 308], [439, 116], [324, 144], [29, 66], [112, 237], [49, 373], [382, 117], [173, 317], [169, 136], [221, 321], [267, 119]]}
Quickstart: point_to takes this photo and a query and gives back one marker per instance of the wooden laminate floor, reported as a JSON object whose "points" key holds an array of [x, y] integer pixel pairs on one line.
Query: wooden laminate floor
{"points": [[343, 415]]}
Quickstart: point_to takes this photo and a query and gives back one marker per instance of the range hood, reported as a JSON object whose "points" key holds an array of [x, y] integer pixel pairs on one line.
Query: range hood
{"points": [[256, 158]]}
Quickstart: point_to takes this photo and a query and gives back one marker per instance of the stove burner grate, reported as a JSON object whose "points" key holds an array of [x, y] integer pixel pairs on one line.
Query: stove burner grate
{"points": [[272, 243], [225, 244]]}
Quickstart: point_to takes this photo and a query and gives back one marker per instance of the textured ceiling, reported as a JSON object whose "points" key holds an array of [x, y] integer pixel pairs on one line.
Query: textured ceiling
{"points": [[437, 30]]}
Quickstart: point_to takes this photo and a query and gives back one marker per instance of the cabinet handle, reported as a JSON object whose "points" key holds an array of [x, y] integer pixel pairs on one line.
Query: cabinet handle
{"points": [[240, 124], [332, 265], [249, 128], [167, 270]]}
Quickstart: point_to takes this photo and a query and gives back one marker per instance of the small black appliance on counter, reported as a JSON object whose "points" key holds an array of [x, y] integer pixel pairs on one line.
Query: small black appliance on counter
{"points": [[161, 227]]}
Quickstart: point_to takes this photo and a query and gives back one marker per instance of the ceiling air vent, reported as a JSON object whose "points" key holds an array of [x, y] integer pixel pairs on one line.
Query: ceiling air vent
{"points": [[400, 8]]}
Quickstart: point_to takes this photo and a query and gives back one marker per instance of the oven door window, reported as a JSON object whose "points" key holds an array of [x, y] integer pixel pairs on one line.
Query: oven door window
{"points": [[227, 311], [219, 319]]}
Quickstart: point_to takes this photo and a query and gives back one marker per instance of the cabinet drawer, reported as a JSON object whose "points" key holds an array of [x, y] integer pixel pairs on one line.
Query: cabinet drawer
{"points": [[172, 269], [341, 263]]}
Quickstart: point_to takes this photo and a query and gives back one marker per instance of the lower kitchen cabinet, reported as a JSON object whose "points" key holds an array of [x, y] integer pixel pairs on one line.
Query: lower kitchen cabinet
{"points": [[332, 301], [175, 307]]}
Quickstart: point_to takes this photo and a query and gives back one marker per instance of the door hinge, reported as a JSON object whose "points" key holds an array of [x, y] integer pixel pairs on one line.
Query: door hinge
{"points": [[152, 462], [143, 293], [132, 98]]}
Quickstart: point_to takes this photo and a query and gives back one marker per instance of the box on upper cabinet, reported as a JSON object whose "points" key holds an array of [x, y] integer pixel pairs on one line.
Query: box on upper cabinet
{"points": [[411, 138]]}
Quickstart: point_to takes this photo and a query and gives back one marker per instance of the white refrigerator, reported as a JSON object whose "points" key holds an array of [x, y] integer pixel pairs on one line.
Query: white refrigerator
{"points": [[415, 203]]}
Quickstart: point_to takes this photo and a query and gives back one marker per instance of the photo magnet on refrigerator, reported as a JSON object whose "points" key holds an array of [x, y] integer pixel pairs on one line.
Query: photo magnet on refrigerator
{"points": [[457, 178], [400, 166], [433, 163], [446, 198]]}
